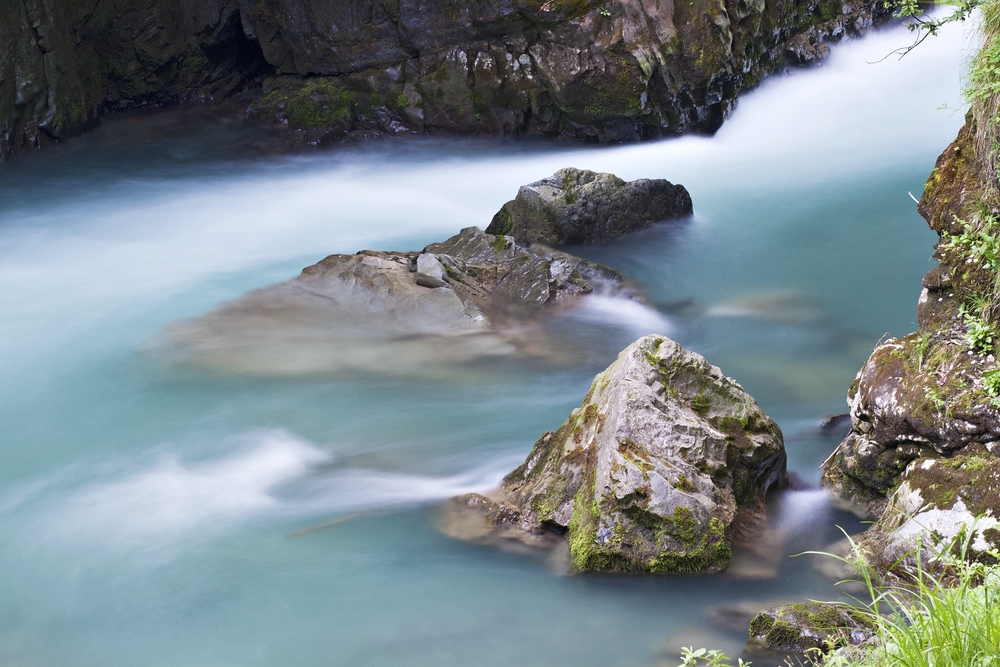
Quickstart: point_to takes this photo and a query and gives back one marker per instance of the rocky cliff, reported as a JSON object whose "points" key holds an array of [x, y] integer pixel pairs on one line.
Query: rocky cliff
{"points": [[922, 454], [608, 70]]}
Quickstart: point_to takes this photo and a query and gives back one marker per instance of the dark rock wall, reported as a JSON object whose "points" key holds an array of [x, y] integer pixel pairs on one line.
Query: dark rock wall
{"points": [[609, 70], [63, 63]]}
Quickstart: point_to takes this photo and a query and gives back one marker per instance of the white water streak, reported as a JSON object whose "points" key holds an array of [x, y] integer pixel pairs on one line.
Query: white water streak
{"points": [[171, 502]]}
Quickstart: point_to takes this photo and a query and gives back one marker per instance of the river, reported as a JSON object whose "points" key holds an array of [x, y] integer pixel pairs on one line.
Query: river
{"points": [[146, 509]]}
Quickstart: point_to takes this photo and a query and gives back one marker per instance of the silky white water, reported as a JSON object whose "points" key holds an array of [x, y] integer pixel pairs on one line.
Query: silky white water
{"points": [[145, 509]]}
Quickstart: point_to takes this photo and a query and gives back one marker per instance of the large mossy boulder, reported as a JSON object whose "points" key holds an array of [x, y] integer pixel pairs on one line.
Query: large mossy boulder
{"points": [[919, 396], [663, 464], [468, 298], [943, 505], [579, 206]]}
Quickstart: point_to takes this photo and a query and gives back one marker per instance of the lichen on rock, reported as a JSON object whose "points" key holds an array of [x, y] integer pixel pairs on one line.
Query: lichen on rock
{"points": [[579, 206], [948, 505], [663, 464]]}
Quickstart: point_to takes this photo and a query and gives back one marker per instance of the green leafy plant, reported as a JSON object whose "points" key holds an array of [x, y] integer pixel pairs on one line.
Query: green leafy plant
{"points": [[980, 335], [979, 332], [933, 396], [991, 382], [924, 25], [978, 243], [702, 657], [921, 347]]}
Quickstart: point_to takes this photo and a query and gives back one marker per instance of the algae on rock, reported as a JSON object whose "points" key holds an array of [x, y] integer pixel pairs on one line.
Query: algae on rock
{"points": [[663, 464]]}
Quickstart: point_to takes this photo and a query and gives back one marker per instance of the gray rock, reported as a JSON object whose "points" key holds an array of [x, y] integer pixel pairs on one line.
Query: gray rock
{"points": [[801, 629], [430, 272], [368, 312], [939, 505], [665, 460], [579, 206]]}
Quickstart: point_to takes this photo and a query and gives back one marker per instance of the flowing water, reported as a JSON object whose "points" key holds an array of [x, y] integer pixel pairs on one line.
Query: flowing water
{"points": [[146, 510]]}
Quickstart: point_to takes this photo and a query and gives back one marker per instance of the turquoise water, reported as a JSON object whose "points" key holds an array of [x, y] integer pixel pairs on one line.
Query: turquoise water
{"points": [[146, 508]]}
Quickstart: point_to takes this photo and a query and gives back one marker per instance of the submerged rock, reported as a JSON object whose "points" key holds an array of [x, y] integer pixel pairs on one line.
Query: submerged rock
{"points": [[811, 627], [661, 466], [579, 206], [467, 298]]}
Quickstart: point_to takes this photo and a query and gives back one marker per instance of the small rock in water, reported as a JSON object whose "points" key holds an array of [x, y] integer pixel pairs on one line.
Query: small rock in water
{"points": [[837, 422], [780, 306], [798, 629], [736, 616], [662, 463]]}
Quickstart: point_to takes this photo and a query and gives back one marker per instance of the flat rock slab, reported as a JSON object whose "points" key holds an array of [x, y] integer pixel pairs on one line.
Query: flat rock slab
{"points": [[472, 297]]}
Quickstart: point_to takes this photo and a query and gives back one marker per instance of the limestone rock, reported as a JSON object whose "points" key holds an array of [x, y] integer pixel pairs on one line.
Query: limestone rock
{"points": [[806, 628], [467, 298], [941, 503], [663, 463], [579, 206]]}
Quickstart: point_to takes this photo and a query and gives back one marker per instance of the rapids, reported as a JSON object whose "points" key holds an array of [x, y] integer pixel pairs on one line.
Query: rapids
{"points": [[146, 509]]}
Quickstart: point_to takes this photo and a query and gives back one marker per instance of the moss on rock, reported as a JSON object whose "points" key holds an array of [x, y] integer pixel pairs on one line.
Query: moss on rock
{"points": [[638, 479], [808, 628]]}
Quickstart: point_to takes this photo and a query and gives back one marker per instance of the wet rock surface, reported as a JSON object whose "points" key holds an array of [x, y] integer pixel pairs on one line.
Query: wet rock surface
{"points": [[578, 206], [808, 628], [921, 455], [469, 297], [940, 503], [608, 71], [664, 463]]}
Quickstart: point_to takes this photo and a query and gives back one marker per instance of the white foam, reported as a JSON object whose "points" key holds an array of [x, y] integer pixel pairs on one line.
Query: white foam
{"points": [[69, 265], [175, 502], [803, 510], [359, 489], [629, 315], [172, 496]]}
